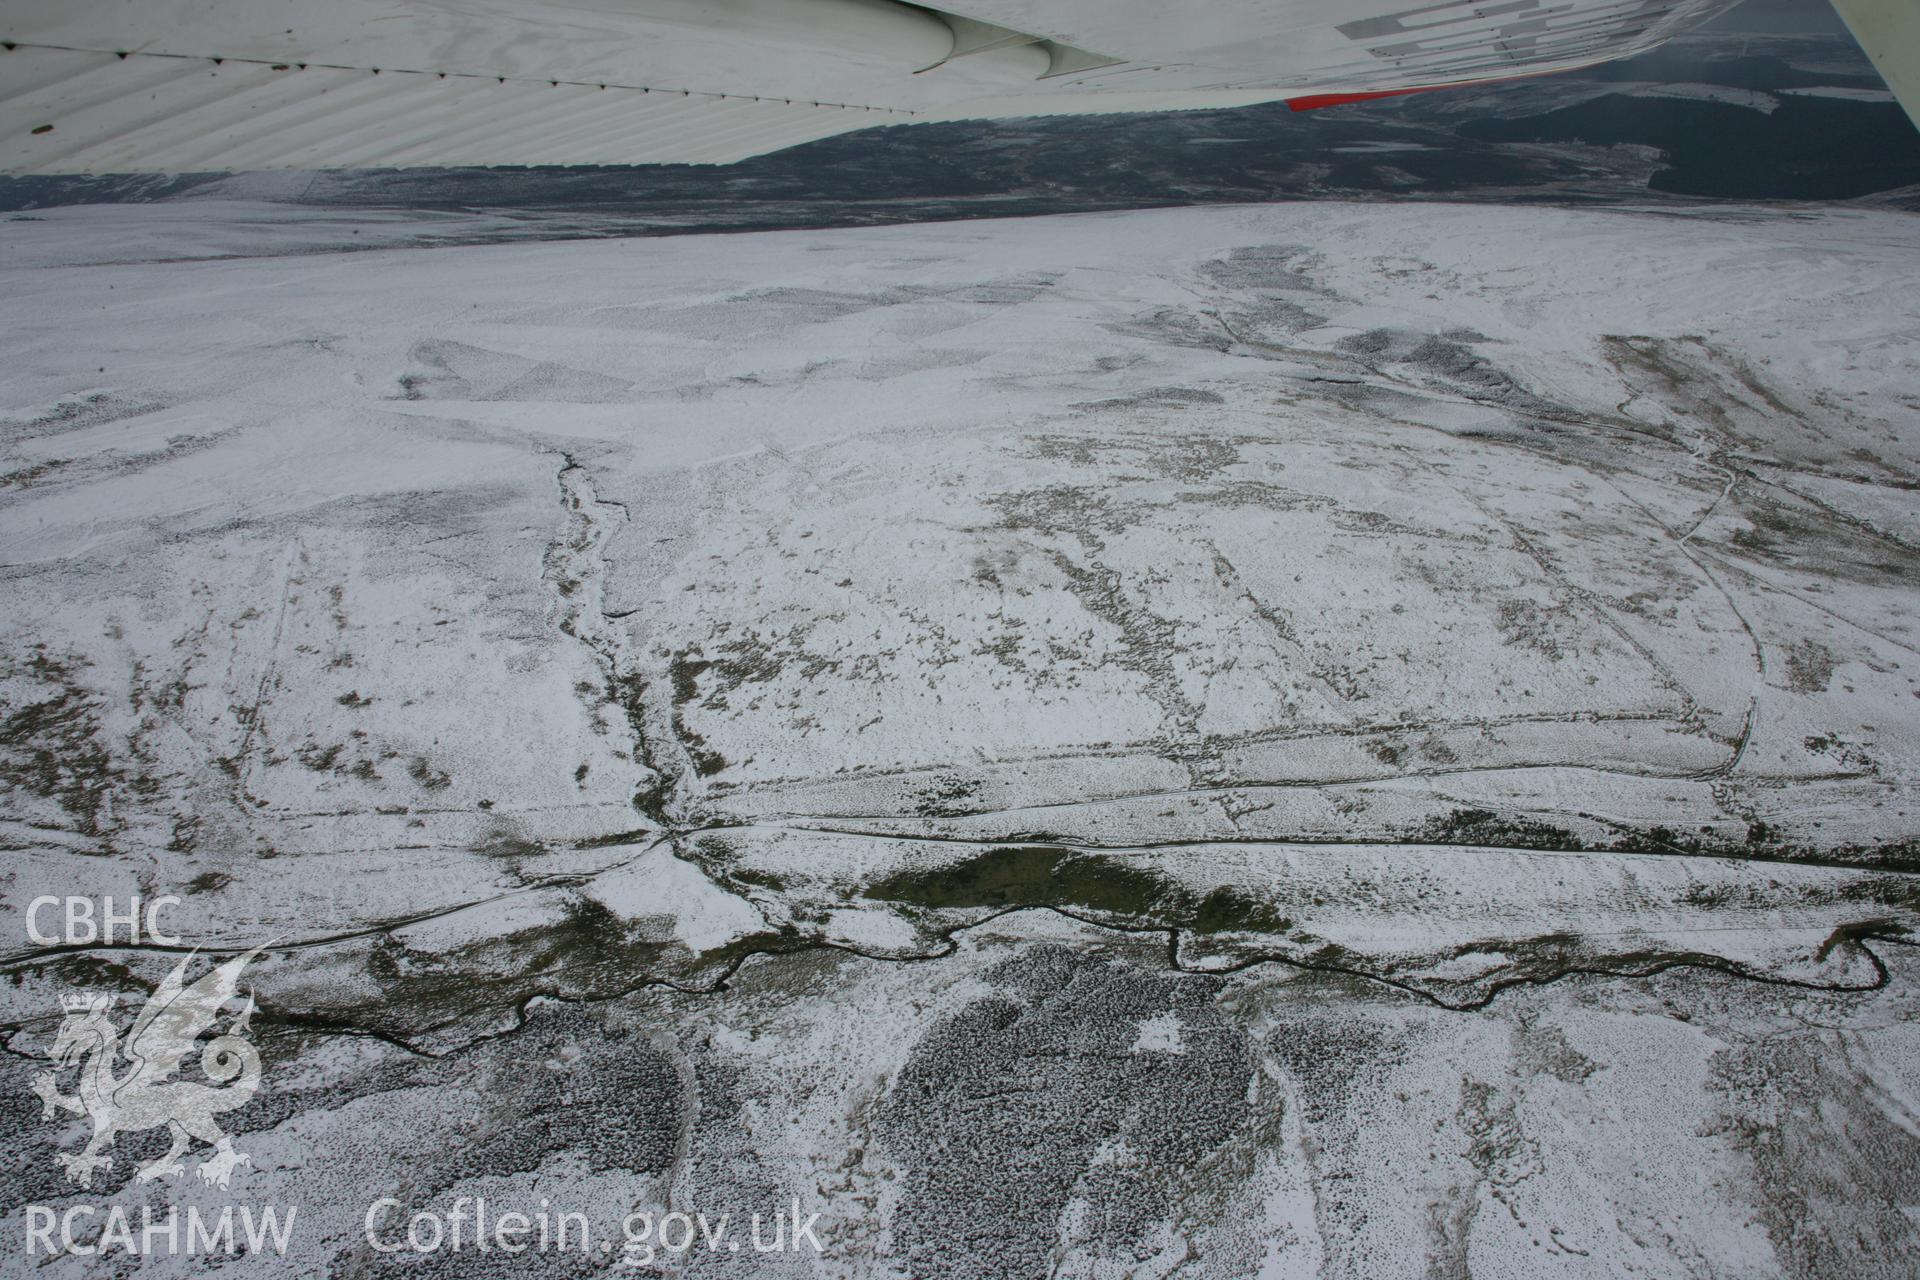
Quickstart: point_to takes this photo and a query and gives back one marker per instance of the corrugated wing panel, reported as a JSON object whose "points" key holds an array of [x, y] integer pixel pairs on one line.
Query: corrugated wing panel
{"points": [[75, 112]]}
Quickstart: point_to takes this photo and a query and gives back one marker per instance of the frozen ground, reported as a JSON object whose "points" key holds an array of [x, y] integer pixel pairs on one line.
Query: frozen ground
{"points": [[1301, 740]]}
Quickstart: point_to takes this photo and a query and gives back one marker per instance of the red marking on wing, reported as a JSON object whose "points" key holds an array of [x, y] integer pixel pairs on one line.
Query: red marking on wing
{"points": [[1315, 101]]}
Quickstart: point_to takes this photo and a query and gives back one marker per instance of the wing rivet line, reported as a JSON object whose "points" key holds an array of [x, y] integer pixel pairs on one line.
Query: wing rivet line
{"points": [[124, 54]]}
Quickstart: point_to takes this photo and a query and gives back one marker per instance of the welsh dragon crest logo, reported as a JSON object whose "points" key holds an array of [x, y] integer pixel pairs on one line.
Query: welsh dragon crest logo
{"points": [[126, 1087]]}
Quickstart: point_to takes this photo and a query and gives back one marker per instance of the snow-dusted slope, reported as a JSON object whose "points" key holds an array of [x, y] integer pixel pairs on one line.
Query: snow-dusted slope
{"points": [[1451, 597]]}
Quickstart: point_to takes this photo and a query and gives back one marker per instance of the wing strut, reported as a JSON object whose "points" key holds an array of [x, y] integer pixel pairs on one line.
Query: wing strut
{"points": [[1889, 30]]}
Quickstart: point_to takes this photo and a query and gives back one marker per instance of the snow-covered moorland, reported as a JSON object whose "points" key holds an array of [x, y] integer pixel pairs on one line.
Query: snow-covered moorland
{"points": [[1323, 739]]}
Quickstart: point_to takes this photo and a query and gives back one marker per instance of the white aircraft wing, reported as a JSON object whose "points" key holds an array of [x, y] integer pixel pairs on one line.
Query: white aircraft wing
{"points": [[114, 86], [1889, 30]]}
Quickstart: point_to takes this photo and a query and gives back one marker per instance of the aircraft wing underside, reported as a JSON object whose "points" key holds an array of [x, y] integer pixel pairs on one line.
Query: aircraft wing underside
{"points": [[98, 86]]}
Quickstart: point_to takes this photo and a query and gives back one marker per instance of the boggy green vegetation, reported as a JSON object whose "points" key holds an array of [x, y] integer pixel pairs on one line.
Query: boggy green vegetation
{"points": [[1031, 875]]}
